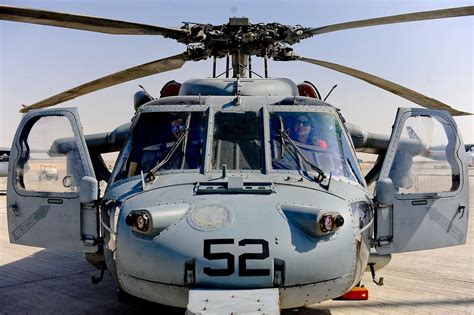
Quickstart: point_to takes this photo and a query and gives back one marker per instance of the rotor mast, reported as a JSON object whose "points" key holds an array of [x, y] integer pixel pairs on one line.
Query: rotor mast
{"points": [[240, 65], [239, 58]]}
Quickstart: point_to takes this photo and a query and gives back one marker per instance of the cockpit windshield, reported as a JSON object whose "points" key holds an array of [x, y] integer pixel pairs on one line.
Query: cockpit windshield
{"points": [[155, 142], [319, 139], [237, 141], [312, 142]]}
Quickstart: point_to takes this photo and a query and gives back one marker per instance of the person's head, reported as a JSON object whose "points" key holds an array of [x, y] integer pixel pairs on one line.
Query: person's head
{"points": [[177, 126], [302, 126]]}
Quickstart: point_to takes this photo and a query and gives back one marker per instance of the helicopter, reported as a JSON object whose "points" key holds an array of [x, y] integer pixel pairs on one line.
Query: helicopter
{"points": [[214, 195]]}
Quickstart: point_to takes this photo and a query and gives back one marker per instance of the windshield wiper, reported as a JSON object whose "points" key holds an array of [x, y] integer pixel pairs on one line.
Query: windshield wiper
{"points": [[284, 136], [182, 139], [151, 173], [282, 130]]}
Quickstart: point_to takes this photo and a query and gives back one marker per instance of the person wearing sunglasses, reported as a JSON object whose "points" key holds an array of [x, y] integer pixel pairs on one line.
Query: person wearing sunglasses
{"points": [[192, 150], [177, 126], [304, 132], [160, 138]]}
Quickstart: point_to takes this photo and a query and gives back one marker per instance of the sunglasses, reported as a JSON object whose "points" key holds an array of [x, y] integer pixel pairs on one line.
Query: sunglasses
{"points": [[305, 123], [178, 128]]}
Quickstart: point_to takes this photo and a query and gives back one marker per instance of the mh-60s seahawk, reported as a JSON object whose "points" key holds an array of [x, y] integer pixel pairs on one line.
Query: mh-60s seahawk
{"points": [[236, 188]]}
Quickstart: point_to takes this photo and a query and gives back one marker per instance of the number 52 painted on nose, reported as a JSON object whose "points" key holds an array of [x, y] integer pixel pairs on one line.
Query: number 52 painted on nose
{"points": [[243, 270]]}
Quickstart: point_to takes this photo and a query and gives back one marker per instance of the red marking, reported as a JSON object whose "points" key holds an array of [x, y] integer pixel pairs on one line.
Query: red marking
{"points": [[170, 89], [308, 90], [357, 294]]}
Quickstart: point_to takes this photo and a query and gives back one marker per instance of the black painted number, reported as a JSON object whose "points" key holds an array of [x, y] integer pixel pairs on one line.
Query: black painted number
{"points": [[243, 271], [216, 256], [230, 269]]}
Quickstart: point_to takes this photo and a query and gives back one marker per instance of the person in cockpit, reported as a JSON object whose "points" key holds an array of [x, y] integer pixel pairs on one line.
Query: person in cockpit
{"points": [[176, 130], [177, 127], [302, 144], [304, 131]]}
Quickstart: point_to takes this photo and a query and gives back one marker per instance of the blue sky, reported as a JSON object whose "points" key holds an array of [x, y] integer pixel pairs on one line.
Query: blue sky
{"points": [[431, 57]]}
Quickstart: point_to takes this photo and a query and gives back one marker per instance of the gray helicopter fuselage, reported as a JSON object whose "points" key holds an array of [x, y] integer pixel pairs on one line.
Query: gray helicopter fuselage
{"points": [[236, 227], [228, 185]]}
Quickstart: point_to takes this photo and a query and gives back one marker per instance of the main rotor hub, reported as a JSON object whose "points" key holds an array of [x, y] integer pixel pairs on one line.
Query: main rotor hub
{"points": [[239, 36]]}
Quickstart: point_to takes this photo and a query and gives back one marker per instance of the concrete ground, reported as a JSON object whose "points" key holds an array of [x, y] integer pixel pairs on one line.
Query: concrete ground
{"points": [[35, 280]]}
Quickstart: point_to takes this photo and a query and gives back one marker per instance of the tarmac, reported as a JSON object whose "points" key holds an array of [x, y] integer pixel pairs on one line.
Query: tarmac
{"points": [[36, 280]]}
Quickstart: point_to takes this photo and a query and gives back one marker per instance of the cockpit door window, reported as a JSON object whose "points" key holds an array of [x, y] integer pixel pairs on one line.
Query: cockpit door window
{"points": [[422, 193], [49, 166]]}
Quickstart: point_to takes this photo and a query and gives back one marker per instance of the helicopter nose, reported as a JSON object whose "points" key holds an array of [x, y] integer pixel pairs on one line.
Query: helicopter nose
{"points": [[253, 241]]}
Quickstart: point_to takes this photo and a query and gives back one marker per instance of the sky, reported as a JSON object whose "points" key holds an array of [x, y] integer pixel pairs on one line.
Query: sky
{"points": [[434, 58]]}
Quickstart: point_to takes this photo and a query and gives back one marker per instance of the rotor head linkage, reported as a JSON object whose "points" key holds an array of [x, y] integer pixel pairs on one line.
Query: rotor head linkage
{"points": [[239, 35]]}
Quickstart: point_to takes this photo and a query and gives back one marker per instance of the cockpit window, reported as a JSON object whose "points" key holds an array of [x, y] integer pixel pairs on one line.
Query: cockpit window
{"points": [[319, 137], [155, 140], [237, 141]]}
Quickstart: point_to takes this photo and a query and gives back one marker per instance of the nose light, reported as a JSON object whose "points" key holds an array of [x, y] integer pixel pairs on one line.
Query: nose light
{"points": [[314, 221], [140, 220], [329, 222], [326, 223]]}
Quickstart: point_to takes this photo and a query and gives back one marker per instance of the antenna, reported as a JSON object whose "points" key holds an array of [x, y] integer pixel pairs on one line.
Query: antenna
{"points": [[329, 93]]}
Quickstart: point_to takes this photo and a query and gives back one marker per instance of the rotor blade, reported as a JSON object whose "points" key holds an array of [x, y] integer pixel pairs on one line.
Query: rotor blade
{"points": [[86, 23], [392, 87], [402, 18], [154, 67]]}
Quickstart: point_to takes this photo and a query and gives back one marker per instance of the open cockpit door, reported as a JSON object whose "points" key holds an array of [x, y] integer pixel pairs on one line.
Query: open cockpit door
{"points": [[52, 192], [422, 194]]}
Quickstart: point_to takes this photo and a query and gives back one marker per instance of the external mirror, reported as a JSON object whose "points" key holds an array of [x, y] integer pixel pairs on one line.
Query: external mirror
{"points": [[89, 190], [384, 192]]}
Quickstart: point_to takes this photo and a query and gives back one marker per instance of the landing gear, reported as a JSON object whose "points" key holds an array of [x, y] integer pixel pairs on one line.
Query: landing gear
{"points": [[359, 292], [372, 271], [96, 280]]}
